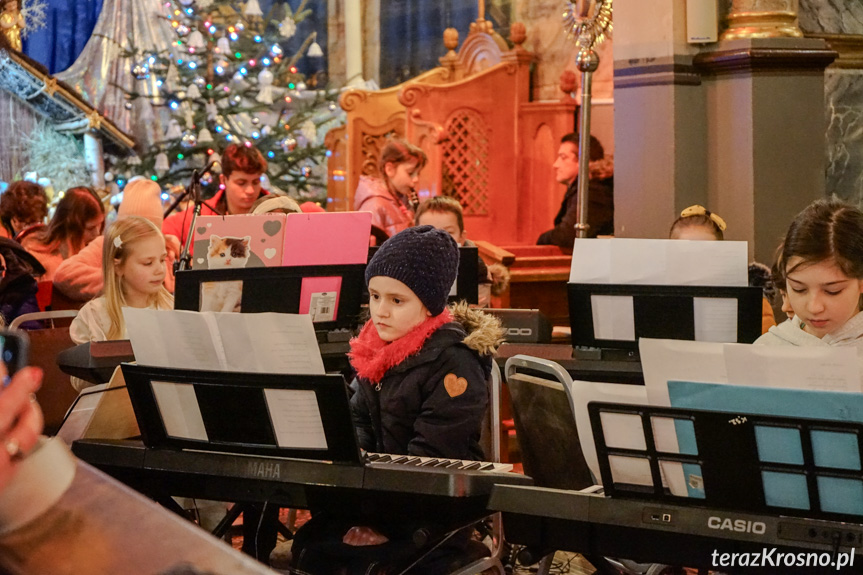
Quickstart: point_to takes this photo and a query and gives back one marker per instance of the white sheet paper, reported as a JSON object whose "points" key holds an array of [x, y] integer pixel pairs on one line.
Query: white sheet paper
{"points": [[270, 343], [814, 368], [659, 262], [613, 317], [176, 339], [296, 418], [715, 319], [179, 409], [254, 343]]}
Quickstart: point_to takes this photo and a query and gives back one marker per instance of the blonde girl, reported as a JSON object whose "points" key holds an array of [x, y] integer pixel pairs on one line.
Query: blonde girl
{"points": [[134, 267]]}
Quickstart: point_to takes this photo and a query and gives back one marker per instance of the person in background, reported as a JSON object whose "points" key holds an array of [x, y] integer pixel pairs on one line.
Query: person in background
{"points": [[242, 170], [821, 264], [445, 213], [133, 265], [391, 198], [18, 270], [23, 209], [699, 224], [80, 277], [600, 210], [77, 221]]}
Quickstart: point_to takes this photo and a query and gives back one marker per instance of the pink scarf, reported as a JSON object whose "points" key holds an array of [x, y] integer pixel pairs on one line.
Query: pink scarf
{"points": [[373, 357]]}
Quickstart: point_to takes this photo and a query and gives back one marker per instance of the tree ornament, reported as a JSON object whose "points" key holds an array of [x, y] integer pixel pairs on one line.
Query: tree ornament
{"points": [[309, 131], [287, 27], [204, 4], [189, 140], [173, 132], [182, 30], [141, 70], [212, 111], [204, 136], [315, 50], [306, 171], [289, 145], [253, 9], [265, 85], [223, 45], [255, 120], [196, 40], [236, 99], [193, 92], [200, 81], [133, 160], [266, 131], [128, 105], [161, 165]]}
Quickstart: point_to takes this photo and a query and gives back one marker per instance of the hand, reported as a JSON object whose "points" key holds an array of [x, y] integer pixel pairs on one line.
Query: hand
{"points": [[363, 536], [172, 246], [20, 419]]}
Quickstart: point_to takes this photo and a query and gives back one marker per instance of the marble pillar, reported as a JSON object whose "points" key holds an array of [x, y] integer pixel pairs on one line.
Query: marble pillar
{"points": [[841, 24]]}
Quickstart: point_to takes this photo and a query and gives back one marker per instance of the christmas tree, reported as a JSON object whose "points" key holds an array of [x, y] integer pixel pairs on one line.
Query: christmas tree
{"points": [[226, 78]]}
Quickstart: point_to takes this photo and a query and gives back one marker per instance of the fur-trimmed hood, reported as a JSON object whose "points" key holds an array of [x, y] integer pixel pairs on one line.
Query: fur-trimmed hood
{"points": [[372, 357], [484, 331]]}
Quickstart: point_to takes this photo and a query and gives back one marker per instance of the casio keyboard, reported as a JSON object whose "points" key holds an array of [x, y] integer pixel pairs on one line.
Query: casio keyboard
{"points": [[550, 519]]}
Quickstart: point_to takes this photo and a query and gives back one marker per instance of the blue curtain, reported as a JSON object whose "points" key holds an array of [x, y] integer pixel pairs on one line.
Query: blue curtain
{"points": [[412, 34], [69, 24]]}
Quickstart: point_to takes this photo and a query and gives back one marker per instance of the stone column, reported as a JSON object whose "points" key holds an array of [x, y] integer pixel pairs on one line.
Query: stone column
{"points": [[353, 43], [737, 126], [659, 118], [94, 158], [767, 143]]}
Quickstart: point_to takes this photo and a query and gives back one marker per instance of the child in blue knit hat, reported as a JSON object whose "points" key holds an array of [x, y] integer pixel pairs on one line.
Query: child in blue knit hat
{"points": [[420, 390]]}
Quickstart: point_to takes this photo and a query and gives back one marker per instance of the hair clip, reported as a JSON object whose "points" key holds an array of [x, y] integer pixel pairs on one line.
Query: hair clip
{"points": [[697, 210], [118, 242]]}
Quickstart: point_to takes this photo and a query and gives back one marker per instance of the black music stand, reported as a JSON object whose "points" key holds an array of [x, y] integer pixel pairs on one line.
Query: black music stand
{"points": [[736, 467], [661, 312], [237, 414]]}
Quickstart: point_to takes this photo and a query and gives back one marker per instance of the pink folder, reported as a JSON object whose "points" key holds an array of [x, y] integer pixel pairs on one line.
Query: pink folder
{"points": [[327, 238]]}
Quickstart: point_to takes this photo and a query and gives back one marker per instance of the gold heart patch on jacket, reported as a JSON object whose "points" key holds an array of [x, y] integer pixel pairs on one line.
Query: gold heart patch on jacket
{"points": [[454, 384]]}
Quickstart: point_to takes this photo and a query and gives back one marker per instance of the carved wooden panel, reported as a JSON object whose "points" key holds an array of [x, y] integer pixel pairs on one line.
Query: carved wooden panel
{"points": [[465, 160]]}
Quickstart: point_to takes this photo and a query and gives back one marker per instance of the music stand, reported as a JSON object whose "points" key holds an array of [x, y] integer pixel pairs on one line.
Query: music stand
{"points": [[246, 413], [658, 311]]}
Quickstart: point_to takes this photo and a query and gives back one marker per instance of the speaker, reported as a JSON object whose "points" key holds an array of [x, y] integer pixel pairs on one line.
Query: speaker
{"points": [[702, 21], [523, 325]]}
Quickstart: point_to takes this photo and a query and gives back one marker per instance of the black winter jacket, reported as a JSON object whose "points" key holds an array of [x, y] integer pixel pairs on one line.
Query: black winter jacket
{"points": [[412, 413]]}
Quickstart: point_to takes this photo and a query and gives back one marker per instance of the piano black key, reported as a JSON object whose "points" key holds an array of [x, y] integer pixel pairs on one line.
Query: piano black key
{"points": [[412, 461], [430, 463], [487, 467], [454, 464], [401, 459], [443, 463], [472, 466]]}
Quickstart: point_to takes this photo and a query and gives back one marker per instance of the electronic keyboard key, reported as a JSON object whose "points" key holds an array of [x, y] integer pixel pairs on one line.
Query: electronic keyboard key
{"points": [[412, 461], [430, 463], [487, 467], [472, 466]]}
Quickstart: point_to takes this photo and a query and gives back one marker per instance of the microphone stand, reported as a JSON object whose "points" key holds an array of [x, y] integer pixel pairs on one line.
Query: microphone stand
{"points": [[194, 190]]}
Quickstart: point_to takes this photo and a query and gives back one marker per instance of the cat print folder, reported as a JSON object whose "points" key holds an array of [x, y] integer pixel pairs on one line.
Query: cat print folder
{"points": [[329, 238], [245, 241]]}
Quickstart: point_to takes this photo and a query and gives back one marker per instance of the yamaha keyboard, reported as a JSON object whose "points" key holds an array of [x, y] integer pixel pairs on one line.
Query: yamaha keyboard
{"points": [[550, 519], [410, 488]]}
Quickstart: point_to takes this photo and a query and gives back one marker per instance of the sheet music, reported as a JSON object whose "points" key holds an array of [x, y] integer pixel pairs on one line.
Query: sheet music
{"points": [[179, 409], [270, 343], [613, 317], [659, 262], [813, 368], [256, 343], [296, 418], [172, 338], [715, 319]]}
